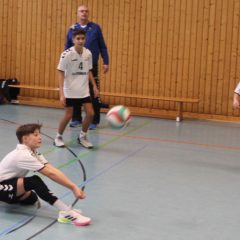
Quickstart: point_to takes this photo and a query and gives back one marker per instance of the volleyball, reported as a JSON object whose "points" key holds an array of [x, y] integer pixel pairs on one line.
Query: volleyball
{"points": [[118, 117]]}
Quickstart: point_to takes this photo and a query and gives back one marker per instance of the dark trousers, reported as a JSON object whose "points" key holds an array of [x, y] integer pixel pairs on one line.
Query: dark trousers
{"points": [[77, 112]]}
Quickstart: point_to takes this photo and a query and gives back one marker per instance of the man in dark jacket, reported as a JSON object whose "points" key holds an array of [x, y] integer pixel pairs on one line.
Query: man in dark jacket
{"points": [[96, 44]]}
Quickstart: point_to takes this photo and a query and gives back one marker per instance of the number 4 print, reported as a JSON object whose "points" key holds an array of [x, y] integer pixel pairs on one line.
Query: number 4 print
{"points": [[81, 65]]}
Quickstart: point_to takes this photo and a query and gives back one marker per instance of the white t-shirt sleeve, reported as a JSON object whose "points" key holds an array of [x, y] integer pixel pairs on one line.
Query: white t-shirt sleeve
{"points": [[32, 162], [237, 89], [63, 62]]}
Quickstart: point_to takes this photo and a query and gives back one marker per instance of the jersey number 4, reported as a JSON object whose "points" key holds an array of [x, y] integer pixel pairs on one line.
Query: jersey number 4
{"points": [[81, 65]]}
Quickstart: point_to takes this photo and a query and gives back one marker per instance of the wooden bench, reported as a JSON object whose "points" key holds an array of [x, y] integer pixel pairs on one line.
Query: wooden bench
{"points": [[179, 101], [34, 87]]}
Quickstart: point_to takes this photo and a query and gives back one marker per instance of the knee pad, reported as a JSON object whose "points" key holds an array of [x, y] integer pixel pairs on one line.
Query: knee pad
{"points": [[30, 183], [36, 184], [30, 200]]}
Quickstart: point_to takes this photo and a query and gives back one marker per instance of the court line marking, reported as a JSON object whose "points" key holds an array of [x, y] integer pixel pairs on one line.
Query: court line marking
{"points": [[157, 140], [91, 179], [151, 139], [88, 153]]}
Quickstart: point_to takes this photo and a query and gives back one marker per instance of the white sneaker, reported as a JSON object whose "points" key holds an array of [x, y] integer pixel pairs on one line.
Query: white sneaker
{"points": [[84, 142], [58, 142], [74, 217]]}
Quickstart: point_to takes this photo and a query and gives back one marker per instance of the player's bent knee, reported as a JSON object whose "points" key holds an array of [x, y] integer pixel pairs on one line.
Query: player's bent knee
{"points": [[36, 179], [30, 183], [30, 200]]}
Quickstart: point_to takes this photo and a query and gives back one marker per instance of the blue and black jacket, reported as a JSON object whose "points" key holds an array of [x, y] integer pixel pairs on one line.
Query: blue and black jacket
{"points": [[94, 41]]}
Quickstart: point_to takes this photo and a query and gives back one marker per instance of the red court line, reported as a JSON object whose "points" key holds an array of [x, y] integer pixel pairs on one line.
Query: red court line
{"points": [[150, 139]]}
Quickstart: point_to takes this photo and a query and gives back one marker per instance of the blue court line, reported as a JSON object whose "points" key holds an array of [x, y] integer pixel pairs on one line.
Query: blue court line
{"points": [[20, 222]]}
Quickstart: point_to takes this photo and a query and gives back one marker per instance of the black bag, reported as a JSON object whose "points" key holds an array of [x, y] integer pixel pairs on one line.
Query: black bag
{"points": [[8, 92]]}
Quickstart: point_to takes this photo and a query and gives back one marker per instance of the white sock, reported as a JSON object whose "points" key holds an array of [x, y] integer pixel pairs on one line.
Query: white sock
{"points": [[61, 206], [82, 134], [58, 135]]}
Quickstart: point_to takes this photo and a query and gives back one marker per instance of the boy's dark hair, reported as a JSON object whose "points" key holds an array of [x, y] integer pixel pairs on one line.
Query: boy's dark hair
{"points": [[27, 129], [77, 32]]}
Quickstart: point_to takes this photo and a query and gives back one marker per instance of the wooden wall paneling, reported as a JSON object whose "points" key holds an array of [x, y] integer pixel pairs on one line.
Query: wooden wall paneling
{"points": [[69, 9], [38, 75], [227, 60], [10, 44], [169, 82], [215, 65], [103, 17], [1, 39], [53, 48], [221, 58], [198, 54], [125, 50], [152, 51], [49, 44], [27, 45], [106, 80], [4, 37], [181, 48], [147, 76], [19, 41], [112, 39], [186, 55], [43, 42], [204, 55], [236, 78], [142, 46], [97, 12], [164, 41], [192, 53], [104, 26], [158, 49], [73, 12], [60, 44], [172, 51], [33, 45], [130, 74], [23, 40], [121, 43], [136, 49], [116, 51], [185, 48], [235, 42], [209, 59]]}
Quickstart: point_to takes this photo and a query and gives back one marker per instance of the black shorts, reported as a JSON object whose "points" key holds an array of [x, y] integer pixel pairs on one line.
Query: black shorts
{"points": [[8, 191], [72, 102]]}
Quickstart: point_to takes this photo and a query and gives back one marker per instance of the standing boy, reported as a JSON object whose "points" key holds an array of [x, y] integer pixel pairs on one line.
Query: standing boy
{"points": [[15, 187], [96, 44], [74, 71]]}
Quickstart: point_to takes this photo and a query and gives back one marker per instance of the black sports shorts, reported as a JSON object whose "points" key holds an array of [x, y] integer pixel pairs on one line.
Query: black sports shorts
{"points": [[71, 102], [8, 191]]}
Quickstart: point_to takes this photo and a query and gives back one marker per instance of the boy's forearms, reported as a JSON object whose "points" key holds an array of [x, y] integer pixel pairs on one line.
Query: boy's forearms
{"points": [[92, 80], [60, 81], [57, 176]]}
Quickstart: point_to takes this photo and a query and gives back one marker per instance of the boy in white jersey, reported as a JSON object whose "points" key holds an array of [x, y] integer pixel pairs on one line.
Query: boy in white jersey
{"points": [[74, 72], [15, 187], [236, 96]]}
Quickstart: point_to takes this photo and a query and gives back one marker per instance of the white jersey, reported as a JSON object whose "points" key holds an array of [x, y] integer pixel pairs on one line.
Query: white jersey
{"points": [[76, 68], [18, 162], [237, 89]]}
